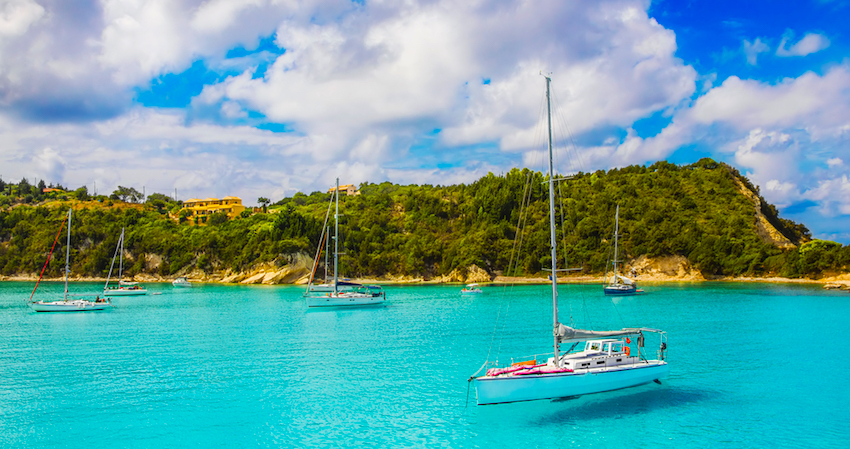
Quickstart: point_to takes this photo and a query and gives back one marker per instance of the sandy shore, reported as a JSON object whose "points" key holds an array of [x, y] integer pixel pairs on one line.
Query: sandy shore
{"points": [[840, 281]]}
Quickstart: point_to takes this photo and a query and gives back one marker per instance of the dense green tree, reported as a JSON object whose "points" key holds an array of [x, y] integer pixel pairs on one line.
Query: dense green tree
{"points": [[263, 201], [217, 218], [82, 193], [127, 194]]}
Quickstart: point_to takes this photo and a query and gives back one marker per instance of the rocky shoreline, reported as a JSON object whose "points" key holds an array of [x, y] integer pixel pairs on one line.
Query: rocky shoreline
{"points": [[296, 272], [841, 282]]}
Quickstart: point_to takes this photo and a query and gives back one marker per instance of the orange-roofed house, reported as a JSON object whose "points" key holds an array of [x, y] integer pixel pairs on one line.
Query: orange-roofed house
{"points": [[348, 189], [230, 205]]}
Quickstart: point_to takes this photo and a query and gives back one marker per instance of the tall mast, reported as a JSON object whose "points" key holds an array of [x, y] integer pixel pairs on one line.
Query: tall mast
{"points": [[552, 224], [336, 237], [327, 250], [68, 255], [121, 257], [616, 235]]}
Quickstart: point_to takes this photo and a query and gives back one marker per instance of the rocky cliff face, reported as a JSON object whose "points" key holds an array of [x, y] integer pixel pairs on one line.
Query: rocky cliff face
{"points": [[470, 274], [766, 231], [296, 271], [662, 269]]}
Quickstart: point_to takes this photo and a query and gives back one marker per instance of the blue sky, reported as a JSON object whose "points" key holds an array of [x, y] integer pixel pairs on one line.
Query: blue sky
{"points": [[266, 98]]}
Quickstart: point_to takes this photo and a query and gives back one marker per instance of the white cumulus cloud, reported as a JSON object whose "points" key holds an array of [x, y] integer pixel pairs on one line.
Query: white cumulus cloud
{"points": [[16, 16], [810, 43], [752, 50]]}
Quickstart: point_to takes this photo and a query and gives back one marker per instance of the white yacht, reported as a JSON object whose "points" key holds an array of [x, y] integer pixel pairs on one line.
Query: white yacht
{"points": [[607, 361], [66, 305], [181, 282], [339, 293], [124, 288]]}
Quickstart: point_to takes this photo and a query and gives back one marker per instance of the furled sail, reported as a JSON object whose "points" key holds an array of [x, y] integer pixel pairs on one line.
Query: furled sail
{"points": [[566, 333], [625, 280]]}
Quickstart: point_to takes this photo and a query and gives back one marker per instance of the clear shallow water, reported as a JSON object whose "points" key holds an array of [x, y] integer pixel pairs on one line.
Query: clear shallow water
{"points": [[752, 365]]}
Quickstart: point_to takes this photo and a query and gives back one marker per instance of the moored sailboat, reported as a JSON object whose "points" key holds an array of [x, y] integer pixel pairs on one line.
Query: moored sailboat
{"points": [[619, 284], [124, 288], [66, 304], [339, 293], [606, 362]]}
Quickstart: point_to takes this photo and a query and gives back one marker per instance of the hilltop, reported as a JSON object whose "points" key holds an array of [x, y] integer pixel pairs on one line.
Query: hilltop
{"points": [[698, 221]]}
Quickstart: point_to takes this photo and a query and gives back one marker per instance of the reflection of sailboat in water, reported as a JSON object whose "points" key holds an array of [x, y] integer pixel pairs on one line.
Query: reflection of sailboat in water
{"points": [[340, 292], [124, 288], [619, 284], [66, 305], [606, 362]]}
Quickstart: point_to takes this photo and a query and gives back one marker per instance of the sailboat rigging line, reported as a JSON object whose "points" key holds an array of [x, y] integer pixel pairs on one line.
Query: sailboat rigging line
{"points": [[521, 219], [316, 261], [318, 250], [562, 122], [607, 264], [516, 250], [112, 264], [48, 259], [564, 242], [614, 272]]}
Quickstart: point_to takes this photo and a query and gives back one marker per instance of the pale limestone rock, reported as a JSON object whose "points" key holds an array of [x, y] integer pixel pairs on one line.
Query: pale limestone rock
{"points": [[253, 279], [303, 280], [472, 274], [152, 262], [662, 268], [766, 231], [233, 278], [475, 274]]}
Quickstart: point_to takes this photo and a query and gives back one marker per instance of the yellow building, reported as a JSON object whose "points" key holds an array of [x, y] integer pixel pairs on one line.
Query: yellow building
{"points": [[230, 205], [348, 189]]}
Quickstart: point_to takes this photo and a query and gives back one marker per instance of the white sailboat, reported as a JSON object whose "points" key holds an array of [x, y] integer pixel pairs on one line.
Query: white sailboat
{"points": [[124, 288], [606, 363], [66, 305], [339, 293], [619, 284]]}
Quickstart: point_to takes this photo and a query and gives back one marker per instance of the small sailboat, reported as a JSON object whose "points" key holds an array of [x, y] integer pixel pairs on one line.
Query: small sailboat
{"points": [[66, 305], [619, 284], [471, 289], [124, 288], [339, 293], [606, 361], [181, 282]]}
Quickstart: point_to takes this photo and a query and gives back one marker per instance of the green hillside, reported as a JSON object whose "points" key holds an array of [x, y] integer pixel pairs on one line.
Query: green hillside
{"points": [[701, 211]]}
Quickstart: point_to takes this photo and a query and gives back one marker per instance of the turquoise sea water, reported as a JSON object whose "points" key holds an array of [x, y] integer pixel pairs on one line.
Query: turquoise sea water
{"points": [[752, 365]]}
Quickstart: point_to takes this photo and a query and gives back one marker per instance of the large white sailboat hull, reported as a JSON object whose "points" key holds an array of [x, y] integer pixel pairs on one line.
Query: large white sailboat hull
{"points": [[124, 292], [68, 306], [495, 390], [343, 300]]}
